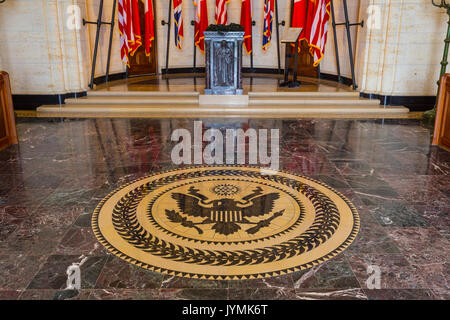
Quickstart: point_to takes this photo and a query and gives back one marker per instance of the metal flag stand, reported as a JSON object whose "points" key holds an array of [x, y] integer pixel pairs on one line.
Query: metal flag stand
{"points": [[99, 24], [347, 25], [283, 23], [168, 23], [194, 63], [251, 53]]}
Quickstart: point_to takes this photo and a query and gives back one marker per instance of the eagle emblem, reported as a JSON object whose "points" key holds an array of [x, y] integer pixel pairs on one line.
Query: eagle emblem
{"points": [[226, 215]]}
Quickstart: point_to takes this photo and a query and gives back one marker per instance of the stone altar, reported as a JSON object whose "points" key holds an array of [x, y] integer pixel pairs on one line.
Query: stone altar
{"points": [[223, 54]]}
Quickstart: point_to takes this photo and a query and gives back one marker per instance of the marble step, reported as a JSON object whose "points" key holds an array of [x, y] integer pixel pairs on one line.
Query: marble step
{"points": [[193, 111], [105, 93], [197, 106], [137, 100], [182, 101], [317, 101], [302, 95]]}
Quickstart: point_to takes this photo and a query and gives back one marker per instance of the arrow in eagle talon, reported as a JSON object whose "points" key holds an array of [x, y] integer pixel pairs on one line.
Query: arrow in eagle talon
{"points": [[264, 223]]}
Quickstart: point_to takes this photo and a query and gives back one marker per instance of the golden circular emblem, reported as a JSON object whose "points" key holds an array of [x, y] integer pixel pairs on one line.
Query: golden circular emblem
{"points": [[225, 222]]}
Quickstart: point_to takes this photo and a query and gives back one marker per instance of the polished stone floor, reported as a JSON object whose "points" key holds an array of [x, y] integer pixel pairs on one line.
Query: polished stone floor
{"points": [[51, 182]]}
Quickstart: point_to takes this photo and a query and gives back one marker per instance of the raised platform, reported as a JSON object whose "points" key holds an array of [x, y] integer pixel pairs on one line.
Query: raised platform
{"points": [[183, 97]]}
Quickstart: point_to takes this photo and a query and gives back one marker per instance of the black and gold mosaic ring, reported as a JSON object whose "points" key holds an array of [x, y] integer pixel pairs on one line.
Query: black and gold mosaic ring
{"points": [[225, 222]]}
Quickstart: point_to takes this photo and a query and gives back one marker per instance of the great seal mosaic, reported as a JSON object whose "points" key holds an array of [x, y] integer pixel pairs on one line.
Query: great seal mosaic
{"points": [[225, 222]]}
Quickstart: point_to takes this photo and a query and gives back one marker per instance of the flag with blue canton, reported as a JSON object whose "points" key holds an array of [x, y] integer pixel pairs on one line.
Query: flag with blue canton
{"points": [[268, 21], [178, 17]]}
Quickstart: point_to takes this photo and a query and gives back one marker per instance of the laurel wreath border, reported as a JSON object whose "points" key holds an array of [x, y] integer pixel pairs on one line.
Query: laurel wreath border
{"points": [[126, 224], [194, 252]]}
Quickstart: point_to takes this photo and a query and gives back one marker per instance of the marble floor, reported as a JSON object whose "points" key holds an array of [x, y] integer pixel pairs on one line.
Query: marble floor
{"points": [[51, 182]]}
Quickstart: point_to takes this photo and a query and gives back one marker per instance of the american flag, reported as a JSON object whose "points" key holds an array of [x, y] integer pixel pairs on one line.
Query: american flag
{"points": [[317, 35], [221, 11], [268, 21], [178, 17], [123, 20]]}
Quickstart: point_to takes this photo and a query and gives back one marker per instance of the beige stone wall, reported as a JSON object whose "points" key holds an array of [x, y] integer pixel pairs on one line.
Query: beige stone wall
{"points": [[58, 60], [44, 56], [402, 55], [39, 52]]}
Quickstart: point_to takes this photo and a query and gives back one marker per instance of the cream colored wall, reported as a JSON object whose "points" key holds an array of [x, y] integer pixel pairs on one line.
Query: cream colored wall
{"points": [[41, 55], [41, 66], [402, 56]]}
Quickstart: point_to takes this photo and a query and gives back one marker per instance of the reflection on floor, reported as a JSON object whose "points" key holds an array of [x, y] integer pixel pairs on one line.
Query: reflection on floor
{"points": [[196, 82], [51, 183]]}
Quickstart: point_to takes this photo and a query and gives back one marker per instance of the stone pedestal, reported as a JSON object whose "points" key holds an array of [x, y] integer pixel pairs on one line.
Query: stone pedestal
{"points": [[223, 53]]}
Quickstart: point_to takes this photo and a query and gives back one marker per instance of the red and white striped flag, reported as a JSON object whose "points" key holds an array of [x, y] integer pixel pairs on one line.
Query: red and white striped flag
{"points": [[317, 30], [201, 23], [221, 11], [246, 22], [149, 26], [123, 21]]}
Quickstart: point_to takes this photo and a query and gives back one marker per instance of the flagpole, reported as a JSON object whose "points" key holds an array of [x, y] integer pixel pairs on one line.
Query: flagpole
{"points": [[113, 17]]}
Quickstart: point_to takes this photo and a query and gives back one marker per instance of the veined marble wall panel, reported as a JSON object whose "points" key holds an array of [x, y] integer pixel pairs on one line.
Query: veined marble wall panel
{"points": [[39, 52], [401, 56], [44, 56]]}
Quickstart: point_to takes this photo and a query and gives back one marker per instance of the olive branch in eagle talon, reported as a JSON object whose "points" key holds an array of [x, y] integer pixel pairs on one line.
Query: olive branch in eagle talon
{"points": [[226, 214], [175, 217]]}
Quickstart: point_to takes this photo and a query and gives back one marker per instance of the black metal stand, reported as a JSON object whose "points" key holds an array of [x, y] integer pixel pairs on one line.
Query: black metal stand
{"points": [[194, 63], [113, 18], [347, 25], [251, 53], [283, 23], [99, 24], [168, 23], [294, 83]]}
